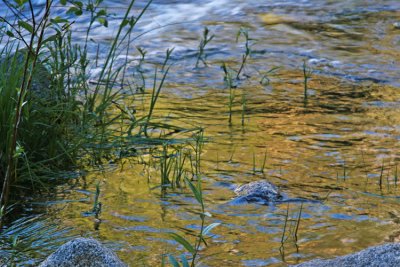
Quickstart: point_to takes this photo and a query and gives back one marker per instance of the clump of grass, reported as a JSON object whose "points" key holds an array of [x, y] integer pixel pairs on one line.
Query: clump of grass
{"points": [[293, 227], [201, 56], [59, 121]]}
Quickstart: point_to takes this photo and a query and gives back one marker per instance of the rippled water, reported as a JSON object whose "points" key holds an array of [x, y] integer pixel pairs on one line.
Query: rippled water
{"points": [[335, 149]]}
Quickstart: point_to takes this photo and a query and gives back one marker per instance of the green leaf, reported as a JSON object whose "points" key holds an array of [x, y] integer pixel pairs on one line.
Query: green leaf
{"points": [[78, 12], [58, 20], [184, 261], [209, 228], [52, 38], [102, 12], [74, 10], [26, 26], [20, 2], [63, 2], [124, 23], [79, 4], [195, 191], [103, 22], [9, 33], [183, 242], [173, 261]]}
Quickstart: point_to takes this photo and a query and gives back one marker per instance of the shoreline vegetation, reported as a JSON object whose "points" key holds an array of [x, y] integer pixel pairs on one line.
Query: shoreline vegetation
{"points": [[56, 121]]}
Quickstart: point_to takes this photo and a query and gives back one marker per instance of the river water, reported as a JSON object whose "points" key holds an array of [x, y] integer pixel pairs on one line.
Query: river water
{"points": [[334, 149]]}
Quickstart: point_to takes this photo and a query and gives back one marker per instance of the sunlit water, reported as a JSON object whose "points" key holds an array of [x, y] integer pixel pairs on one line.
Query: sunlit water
{"points": [[334, 149]]}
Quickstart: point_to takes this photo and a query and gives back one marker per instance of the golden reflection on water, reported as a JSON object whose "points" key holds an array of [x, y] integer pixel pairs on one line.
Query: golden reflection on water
{"points": [[331, 150]]}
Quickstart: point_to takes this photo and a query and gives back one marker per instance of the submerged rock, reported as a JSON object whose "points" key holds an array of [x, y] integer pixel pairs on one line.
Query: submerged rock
{"points": [[273, 19], [83, 252], [387, 255], [259, 191], [264, 192]]}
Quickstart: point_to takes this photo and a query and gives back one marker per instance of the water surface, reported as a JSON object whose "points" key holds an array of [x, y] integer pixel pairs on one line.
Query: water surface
{"points": [[335, 148]]}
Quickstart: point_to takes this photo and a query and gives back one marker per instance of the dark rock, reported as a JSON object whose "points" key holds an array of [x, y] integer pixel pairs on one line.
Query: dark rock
{"points": [[387, 255], [83, 252], [259, 191]]}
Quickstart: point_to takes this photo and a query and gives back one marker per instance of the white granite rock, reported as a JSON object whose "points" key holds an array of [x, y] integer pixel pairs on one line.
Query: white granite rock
{"points": [[83, 252]]}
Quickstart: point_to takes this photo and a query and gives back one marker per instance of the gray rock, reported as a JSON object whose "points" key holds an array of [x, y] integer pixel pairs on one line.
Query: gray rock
{"points": [[259, 191], [387, 255], [83, 252], [264, 192]]}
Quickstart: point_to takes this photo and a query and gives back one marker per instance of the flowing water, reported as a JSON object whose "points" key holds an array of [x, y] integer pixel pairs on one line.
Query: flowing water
{"points": [[340, 148]]}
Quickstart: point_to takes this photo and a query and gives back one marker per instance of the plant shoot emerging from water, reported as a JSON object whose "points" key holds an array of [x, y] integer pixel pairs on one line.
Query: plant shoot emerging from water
{"points": [[245, 33], [201, 56]]}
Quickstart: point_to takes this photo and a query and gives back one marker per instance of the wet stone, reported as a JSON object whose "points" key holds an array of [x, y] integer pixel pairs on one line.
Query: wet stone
{"points": [[386, 255], [258, 191], [83, 252]]}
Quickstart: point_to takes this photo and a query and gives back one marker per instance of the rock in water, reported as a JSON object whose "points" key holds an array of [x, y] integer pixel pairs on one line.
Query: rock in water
{"points": [[273, 19], [83, 252], [259, 191], [387, 255]]}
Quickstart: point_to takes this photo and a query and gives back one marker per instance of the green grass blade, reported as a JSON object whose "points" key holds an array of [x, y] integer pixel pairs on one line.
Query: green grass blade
{"points": [[181, 240], [173, 261], [184, 261]]}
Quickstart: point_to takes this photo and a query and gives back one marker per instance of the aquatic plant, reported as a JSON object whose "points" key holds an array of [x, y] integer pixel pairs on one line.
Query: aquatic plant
{"points": [[262, 168], [27, 241], [230, 85], [197, 146], [247, 44], [194, 249], [201, 56], [265, 76], [293, 227]]}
